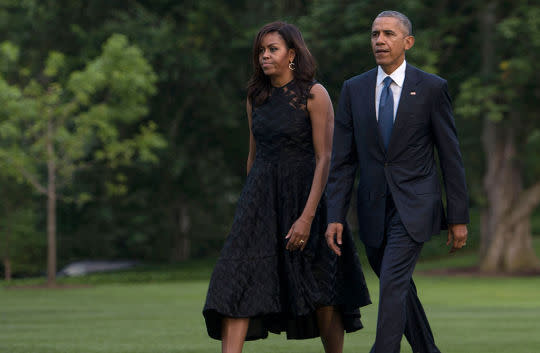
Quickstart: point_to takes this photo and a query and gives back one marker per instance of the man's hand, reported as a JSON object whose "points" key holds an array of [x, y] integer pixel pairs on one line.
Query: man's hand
{"points": [[333, 235], [457, 236]]}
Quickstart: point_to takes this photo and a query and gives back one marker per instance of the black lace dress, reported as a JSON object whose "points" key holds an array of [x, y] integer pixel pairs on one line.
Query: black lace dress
{"points": [[255, 276]]}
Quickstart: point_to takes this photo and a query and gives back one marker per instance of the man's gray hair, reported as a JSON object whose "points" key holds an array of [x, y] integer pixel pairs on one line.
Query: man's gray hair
{"points": [[401, 17]]}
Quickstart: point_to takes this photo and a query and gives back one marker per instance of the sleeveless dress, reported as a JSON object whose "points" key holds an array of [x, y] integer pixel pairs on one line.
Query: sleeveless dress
{"points": [[255, 276]]}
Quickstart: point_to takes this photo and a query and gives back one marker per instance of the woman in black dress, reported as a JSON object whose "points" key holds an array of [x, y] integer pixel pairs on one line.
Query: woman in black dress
{"points": [[275, 272]]}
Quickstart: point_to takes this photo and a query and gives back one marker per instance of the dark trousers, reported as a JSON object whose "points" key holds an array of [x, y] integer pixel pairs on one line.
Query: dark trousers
{"points": [[400, 310]]}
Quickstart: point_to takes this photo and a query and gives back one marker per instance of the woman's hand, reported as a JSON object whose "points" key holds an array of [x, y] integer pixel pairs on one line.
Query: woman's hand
{"points": [[298, 234]]}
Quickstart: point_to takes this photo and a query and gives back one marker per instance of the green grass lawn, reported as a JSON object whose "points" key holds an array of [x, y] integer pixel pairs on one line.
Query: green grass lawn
{"points": [[468, 315], [158, 309]]}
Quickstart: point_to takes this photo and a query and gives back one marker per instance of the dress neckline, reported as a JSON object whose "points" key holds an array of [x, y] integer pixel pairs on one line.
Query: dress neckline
{"points": [[285, 85]]}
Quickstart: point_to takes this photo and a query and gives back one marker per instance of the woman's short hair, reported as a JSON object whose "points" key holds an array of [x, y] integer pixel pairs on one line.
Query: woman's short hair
{"points": [[259, 85]]}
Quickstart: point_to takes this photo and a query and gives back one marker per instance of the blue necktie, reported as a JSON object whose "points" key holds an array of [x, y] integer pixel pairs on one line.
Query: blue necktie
{"points": [[386, 112]]}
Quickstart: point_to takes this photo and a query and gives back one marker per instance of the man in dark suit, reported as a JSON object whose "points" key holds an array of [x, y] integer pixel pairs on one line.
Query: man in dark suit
{"points": [[389, 122]]}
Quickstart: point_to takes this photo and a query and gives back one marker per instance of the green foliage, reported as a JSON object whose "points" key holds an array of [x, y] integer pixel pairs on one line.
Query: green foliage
{"points": [[510, 88], [137, 150], [20, 242], [82, 117], [9, 53], [55, 62], [508, 93], [67, 122], [478, 99]]}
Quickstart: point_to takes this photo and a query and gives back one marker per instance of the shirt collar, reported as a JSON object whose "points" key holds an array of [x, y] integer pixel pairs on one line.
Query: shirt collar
{"points": [[398, 76]]}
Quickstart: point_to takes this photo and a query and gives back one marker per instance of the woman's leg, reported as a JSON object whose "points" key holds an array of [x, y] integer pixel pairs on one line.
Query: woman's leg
{"points": [[233, 334], [331, 329]]}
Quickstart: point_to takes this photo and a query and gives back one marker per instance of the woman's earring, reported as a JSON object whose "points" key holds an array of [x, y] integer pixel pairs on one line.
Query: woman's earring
{"points": [[292, 66]]}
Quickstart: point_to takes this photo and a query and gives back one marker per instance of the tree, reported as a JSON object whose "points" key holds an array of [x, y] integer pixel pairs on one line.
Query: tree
{"points": [[506, 97], [58, 123]]}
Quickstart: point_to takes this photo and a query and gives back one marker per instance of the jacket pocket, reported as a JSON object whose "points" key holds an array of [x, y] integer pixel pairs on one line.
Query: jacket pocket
{"points": [[429, 185]]}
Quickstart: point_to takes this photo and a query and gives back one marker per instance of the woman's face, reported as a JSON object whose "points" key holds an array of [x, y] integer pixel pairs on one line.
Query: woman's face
{"points": [[274, 56]]}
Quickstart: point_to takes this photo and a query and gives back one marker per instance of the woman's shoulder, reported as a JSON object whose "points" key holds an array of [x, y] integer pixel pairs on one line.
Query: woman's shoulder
{"points": [[318, 98], [317, 90], [316, 86], [306, 89]]}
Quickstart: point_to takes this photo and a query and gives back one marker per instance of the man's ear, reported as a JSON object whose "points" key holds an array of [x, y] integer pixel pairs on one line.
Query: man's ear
{"points": [[409, 42]]}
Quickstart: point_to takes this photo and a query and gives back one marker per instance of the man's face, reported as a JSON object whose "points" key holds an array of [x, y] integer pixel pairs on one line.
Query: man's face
{"points": [[389, 41]]}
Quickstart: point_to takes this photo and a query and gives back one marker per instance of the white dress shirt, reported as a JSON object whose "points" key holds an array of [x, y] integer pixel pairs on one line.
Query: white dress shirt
{"points": [[398, 76]]}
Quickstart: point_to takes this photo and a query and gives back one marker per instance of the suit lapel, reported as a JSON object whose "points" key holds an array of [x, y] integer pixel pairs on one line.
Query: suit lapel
{"points": [[406, 98]]}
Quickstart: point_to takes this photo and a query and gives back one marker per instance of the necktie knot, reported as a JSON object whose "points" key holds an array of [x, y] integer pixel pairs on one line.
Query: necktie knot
{"points": [[387, 81]]}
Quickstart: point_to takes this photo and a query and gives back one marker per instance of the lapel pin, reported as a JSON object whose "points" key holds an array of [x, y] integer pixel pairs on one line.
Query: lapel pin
{"points": [[413, 93]]}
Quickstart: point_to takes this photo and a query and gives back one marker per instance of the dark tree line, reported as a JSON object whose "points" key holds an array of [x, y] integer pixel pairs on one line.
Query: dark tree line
{"points": [[180, 206]]}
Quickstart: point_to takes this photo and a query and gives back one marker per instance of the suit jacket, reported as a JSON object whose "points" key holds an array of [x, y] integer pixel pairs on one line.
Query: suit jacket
{"points": [[408, 169]]}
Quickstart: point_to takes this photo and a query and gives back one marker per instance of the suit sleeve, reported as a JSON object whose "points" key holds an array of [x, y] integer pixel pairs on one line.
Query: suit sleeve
{"points": [[453, 172], [344, 161]]}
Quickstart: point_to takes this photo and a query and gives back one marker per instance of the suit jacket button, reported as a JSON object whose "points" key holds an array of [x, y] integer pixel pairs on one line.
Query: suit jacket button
{"points": [[386, 164]]}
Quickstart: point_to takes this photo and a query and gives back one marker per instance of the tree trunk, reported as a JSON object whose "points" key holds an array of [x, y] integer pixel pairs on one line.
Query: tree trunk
{"points": [[7, 269], [506, 241], [51, 209], [182, 246], [7, 260]]}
